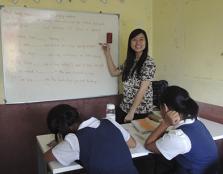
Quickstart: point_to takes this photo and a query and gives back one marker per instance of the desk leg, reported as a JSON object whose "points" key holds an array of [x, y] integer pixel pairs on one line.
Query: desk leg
{"points": [[42, 165]]}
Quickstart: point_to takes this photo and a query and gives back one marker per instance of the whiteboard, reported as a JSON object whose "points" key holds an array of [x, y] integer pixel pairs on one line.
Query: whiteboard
{"points": [[55, 55]]}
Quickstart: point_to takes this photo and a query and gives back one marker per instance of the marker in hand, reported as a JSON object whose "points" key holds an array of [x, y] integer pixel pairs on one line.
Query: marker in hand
{"points": [[108, 41], [109, 38]]}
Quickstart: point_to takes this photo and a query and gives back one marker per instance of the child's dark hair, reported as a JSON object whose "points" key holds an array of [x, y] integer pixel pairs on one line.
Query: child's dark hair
{"points": [[179, 100], [130, 58], [61, 117]]}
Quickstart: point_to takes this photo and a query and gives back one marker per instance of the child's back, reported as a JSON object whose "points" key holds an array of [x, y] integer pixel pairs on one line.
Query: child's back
{"points": [[103, 150], [202, 158]]}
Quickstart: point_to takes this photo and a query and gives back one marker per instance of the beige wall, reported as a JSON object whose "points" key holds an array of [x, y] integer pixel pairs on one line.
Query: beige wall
{"points": [[185, 37], [188, 46], [133, 14]]}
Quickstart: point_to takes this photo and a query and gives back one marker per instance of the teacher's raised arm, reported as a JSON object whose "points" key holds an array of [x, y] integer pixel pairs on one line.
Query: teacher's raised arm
{"points": [[114, 71]]}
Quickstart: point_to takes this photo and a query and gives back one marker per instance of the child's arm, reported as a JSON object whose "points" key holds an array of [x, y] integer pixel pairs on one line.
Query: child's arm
{"points": [[156, 134], [170, 118], [131, 142], [65, 152], [48, 156]]}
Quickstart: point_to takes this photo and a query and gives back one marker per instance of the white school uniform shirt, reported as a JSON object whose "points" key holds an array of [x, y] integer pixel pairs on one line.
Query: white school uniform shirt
{"points": [[175, 141], [69, 150]]}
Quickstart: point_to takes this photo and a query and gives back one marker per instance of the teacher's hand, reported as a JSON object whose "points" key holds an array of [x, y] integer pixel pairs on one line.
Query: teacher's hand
{"points": [[105, 47], [129, 117]]}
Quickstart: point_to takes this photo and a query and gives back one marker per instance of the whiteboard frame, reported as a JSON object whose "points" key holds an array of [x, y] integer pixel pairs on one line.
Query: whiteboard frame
{"points": [[118, 54]]}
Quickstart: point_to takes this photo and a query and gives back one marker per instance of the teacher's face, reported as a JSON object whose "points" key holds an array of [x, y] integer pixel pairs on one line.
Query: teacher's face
{"points": [[138, 43]]}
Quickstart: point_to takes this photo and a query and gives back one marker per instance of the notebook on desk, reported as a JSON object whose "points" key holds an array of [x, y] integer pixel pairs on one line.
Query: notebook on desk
{"points": [[156, 116], [144, 125]]}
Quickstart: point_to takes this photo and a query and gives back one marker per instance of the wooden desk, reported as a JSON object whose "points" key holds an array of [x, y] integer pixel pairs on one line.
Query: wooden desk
{"points": [[56, 167]]}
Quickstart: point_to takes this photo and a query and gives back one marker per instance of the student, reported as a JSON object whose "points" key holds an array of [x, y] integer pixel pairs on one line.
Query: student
{"points": [[189, 142], [100, 145], [137, 72]]}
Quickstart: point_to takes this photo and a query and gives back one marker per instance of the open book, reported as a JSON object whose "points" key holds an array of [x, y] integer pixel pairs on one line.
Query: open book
{"points": [[156, 116], [144, 125]]}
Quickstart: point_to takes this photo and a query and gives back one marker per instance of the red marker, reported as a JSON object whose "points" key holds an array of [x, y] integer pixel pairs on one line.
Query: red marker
{"points": [[109, 38]]}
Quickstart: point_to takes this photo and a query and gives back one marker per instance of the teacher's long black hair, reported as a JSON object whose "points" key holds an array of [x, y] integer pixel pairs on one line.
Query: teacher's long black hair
{"points": [[131, 56]]}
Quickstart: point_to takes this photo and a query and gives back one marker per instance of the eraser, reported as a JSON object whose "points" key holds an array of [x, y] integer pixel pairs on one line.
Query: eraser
{"points": [[109, 37]]}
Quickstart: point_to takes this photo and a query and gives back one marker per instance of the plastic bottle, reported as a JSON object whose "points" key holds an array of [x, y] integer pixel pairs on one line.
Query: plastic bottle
{"points": [[110, 111]]}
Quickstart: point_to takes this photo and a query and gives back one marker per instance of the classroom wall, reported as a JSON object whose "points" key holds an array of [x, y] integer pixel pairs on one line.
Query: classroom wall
{"points": [[185, 38], [21, 123], [133, 14], [188, 46], [185, 41]]}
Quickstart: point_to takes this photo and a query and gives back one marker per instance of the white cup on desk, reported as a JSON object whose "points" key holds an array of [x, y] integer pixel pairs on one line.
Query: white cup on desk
{"points": [[110, 111]]}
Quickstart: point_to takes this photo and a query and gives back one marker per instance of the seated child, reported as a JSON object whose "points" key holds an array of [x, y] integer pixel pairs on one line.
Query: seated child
{"points": [[189, 142], [101, 146]]}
